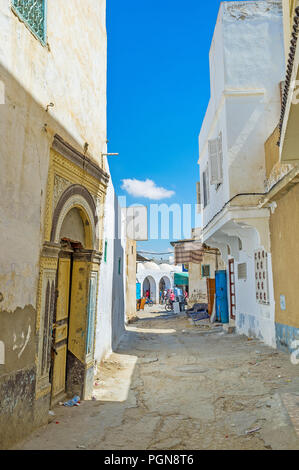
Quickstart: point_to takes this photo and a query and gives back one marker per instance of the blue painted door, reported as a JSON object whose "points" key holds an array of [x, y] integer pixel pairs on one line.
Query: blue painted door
{"points": [[222, 314]]}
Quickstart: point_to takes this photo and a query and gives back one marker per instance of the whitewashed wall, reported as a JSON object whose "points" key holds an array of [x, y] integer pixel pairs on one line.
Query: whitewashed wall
{"points": [[246, 66], [254, 319], [111, 295]]}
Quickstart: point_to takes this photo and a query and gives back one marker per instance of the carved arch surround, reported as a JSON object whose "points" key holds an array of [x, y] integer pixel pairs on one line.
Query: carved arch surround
{"points": [[79, 197]]}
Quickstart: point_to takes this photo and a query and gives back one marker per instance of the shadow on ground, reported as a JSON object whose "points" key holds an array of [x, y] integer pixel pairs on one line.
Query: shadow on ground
{"points": [[173, 385]]}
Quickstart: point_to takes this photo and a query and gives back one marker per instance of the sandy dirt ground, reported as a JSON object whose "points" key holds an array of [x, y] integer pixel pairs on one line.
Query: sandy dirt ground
{"points": [[173, 385]]}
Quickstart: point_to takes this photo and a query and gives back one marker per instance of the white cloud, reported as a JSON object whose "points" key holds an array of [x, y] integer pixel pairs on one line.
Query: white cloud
{"points": [[146, 189]]}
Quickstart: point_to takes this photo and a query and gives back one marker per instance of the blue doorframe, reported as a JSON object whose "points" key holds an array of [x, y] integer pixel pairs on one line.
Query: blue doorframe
{"points": [[138, 290]]}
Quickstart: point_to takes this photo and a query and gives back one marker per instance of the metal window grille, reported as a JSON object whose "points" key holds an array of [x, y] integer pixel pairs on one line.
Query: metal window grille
{"points": [[261, 277], [33, 13]]}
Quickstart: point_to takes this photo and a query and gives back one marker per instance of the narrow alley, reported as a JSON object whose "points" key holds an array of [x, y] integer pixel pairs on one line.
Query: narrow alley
{"points": [[174, 385], [149, 220]]}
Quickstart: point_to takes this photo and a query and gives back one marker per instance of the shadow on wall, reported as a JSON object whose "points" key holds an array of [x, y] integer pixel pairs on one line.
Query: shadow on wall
{"points": [[26, 133], [118, 288]]}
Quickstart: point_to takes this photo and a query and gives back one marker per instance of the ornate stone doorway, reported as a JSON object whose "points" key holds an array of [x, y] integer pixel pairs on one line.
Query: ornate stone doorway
{"points": [[75, 309], [67, 324]]}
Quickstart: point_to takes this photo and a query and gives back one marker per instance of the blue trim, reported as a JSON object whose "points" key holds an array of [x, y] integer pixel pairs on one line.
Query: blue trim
{"points": [[91, 309], [285, 335]]}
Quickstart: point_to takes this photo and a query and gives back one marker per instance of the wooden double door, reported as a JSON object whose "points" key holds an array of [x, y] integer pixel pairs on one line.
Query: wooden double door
{"points": [[211, 291], [61, 328]]}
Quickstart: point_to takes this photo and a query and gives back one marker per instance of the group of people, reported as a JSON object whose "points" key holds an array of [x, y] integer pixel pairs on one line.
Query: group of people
{"points": [[166, 296], [170, 296]]}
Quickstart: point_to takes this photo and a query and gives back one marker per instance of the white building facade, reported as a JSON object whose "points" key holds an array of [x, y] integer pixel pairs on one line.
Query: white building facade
{"points": [[246, 70], [154, 277], [111, 305]]}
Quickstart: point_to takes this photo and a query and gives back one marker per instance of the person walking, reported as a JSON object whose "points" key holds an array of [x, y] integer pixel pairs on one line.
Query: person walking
{"points": [[172, 298]]}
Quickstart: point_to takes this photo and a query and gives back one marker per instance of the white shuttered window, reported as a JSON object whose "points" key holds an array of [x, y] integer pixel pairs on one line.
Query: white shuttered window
{"points": [[215, 160], [205, 187], [198, 194]]}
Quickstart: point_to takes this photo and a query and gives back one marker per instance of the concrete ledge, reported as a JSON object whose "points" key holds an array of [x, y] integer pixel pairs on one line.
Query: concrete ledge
{"points": [[229, 329]]}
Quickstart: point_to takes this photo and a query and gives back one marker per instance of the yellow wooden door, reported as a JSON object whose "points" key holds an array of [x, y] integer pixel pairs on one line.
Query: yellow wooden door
{"points": [[60, 332]]}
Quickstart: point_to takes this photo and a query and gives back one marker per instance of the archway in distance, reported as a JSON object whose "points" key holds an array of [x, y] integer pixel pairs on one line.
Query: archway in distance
{"points": [[149, 284]]}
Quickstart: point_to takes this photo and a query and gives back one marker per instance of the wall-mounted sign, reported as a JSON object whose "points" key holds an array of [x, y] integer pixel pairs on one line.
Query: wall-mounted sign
{"points": [[283, 302], [185, 268]]}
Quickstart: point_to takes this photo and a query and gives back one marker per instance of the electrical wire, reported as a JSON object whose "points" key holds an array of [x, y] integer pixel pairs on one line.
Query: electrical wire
{"points": [[151, 253]]}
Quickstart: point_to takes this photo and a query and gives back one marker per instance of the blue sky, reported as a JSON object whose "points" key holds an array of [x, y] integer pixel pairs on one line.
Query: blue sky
{"points": [[158, 91]]}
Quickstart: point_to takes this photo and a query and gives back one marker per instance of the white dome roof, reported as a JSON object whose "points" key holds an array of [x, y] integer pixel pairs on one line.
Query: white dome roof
{"points": [[151, 266], [166, 268]]}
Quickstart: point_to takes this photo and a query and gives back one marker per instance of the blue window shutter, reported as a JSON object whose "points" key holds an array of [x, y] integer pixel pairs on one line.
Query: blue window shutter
{"points": [[105, 252], [34, 14]]}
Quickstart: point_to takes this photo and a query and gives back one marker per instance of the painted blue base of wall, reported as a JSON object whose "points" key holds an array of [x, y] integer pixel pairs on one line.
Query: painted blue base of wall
{"points": [[285, 335], [248, 323], [256, 327]]}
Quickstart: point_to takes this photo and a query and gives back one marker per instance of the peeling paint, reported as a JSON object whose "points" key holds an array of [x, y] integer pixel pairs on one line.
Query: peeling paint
{"points": [[16, 406], [17, 334], [248, 10], [23, 343], [26, 342]]}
